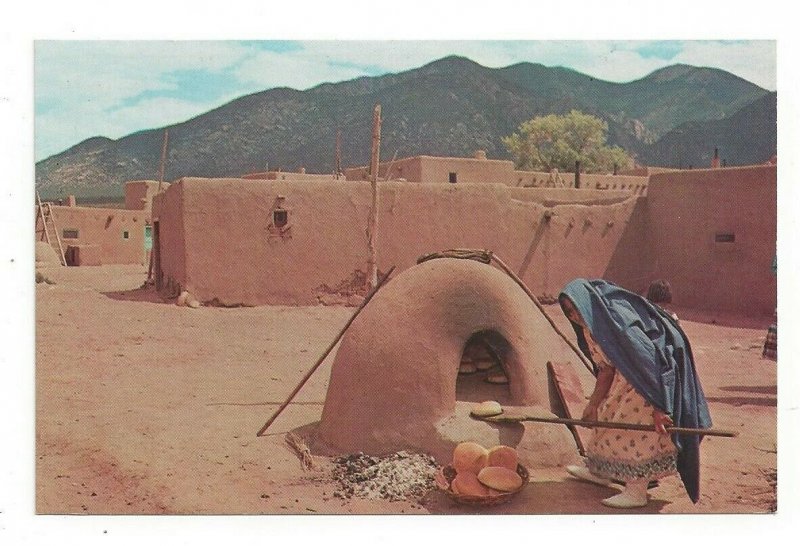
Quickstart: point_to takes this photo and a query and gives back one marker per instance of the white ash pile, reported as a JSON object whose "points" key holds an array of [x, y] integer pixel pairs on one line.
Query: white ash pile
{"points": [[399, 476]]}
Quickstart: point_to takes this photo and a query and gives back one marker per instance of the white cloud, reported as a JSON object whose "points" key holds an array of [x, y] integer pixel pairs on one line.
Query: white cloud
{"points": [[299, 70], [77, 84], [754, 61]]}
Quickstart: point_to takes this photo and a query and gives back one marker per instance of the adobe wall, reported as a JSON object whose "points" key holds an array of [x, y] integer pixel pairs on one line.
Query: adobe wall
{"points": [[169, 221], [635, 184], [292, 176], [235, 255], [468, 170], [102, 227], [646, 171], [629, 183], [139, 195], [436, 170], [688, 209]]}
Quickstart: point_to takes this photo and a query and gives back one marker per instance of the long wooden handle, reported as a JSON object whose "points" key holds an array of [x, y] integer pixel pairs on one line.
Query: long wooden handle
{"points": [[603, 424], [325, 354], [533, 298]]}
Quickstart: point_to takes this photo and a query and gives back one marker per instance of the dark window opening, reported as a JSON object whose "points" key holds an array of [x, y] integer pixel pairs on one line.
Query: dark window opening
{"points": [[126, 235], [724, 238], [453, 178], [280, 218], [70, 234]]}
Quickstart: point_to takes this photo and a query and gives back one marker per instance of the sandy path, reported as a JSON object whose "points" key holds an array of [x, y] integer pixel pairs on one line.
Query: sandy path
{"points": [[146, 407]]}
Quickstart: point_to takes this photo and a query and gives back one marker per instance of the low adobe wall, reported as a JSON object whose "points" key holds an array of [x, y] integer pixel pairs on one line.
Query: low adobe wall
{"points": [[292, 176], [105, 228], [234, 254], [629, 183], [693, 217]]}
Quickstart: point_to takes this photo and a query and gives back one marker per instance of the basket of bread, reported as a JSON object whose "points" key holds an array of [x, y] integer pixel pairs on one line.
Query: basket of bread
{"points": [[482, 477]]}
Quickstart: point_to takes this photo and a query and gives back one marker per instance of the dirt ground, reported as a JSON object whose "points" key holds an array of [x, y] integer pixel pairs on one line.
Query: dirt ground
{"points": [[144, 407]]}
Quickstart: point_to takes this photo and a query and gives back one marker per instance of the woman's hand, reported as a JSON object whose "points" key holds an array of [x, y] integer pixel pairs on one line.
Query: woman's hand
{"points": [[661, 421], [590, 413]]}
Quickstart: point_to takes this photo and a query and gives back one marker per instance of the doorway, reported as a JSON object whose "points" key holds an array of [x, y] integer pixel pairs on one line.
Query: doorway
{"points": [[482, 373]]}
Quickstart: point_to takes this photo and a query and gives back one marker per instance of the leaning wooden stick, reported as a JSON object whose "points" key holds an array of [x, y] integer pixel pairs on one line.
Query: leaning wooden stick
{"points": [[502, 418], [325, 354], [533, 298]]}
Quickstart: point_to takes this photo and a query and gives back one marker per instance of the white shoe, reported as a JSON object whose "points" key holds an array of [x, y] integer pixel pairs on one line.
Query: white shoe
{"points": [[583, 473], [633, 496]]}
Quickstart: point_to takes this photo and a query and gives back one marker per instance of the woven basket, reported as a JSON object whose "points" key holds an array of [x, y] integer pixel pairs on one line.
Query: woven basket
{"points": [[446, 475]]}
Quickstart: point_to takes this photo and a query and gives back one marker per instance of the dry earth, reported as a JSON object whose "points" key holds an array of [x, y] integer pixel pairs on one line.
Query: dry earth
{"points": [[144, 407]]}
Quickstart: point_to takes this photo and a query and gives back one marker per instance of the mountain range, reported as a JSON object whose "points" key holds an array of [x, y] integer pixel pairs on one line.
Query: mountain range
{"points": [[674, 116]]}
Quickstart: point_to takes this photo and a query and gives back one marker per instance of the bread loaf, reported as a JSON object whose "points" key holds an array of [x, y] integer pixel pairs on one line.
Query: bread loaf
{"points": [[469, 457], [487, 409], [500, 478], [467, 367], [486, 364], [466, 483], [497, 378], [504, 456]]}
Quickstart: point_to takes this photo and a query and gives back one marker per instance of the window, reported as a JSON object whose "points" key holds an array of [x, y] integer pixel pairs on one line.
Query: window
{"points": [[280, 218], [453, 178], [725, 238], [70, 234], [126, 235]]}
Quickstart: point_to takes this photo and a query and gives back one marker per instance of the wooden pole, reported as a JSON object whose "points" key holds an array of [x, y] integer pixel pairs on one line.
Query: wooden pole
{"points": [[533, 298], [163, 159], [338, 162], [322, 358], [372, 224], [605, 424]]}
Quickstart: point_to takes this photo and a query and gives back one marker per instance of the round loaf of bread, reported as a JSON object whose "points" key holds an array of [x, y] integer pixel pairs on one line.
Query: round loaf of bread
{"points": [[504, 456], [500, 478], [487, 409], [497, 378], [466, 483], [469, 457], [486, 364]]}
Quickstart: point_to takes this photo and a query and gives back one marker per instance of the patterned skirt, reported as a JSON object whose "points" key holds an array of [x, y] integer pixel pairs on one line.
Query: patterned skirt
{"points": [[626, 455]]}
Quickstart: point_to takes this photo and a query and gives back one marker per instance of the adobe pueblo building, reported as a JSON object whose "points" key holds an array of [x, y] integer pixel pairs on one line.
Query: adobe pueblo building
{"points": [[82, 236], [711, 233]]}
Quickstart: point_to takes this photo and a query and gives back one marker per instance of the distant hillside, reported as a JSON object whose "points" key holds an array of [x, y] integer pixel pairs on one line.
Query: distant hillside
{"points": [[452, 106], [747, 137]]}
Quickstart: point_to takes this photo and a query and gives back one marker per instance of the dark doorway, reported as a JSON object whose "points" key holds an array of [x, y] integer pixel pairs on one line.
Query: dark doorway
{"points": [[482, 370], [156, 256]]}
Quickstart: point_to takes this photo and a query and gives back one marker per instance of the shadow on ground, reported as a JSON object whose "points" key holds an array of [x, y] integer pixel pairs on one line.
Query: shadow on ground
{"points": [[755, 389], [546, 497], [146, 294], [743, 401]]}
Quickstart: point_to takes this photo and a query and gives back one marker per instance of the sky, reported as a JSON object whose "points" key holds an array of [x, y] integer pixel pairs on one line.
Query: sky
{"points": [[113, 88]]}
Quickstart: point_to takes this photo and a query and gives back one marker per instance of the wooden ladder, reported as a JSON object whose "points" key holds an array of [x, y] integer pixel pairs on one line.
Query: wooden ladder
{"points": [[45, 212]]}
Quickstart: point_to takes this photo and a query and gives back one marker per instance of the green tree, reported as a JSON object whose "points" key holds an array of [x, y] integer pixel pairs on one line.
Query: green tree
{"points": [[557, 142]]}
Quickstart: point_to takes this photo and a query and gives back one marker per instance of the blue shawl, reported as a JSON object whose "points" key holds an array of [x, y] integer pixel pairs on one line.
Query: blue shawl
{"points": [[652, 353]]}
